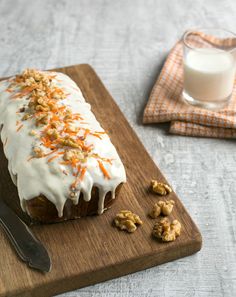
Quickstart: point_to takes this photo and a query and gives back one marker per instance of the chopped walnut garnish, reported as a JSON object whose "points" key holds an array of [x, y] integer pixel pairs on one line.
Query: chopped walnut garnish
{"points": [[41, 108], [61, 130], [68, 115], [160, 188], [53, 133], [72, 129], [38, 103], [58, 94], [32, 133], [69, 141], [162, 207], [55, 124], [40, 89], [43, 101], [31, 76], [126, 220], [74, 154], [26, 117], [41, 118], [38, 152], [165, 230]]}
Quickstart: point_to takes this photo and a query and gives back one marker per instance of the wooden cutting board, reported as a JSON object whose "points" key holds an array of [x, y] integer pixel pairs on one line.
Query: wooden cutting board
{"points": [[91, 250]]}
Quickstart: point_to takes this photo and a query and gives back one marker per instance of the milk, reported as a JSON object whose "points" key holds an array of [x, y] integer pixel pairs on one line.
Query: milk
{"points": [[209, 74]]}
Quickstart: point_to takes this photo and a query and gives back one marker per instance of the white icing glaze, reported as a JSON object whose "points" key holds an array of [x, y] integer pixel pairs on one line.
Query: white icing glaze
{"points": [[37, 176]]}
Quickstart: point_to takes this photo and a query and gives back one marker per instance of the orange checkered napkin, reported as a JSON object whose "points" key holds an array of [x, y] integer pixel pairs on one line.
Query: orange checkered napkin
{"points": [[166, 105]]}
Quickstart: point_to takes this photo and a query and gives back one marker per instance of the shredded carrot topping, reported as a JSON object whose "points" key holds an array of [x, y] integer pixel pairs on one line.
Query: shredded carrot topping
{"points": [[59, 131], [103, 169], [18, 129], [52, 158], [61, 153], [64, 163], [50, 153], [83, 171], [96, 135], [9, 91]]}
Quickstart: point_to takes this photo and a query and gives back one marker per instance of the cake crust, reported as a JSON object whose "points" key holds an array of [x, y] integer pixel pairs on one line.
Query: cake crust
{"points": [[42, 211]]}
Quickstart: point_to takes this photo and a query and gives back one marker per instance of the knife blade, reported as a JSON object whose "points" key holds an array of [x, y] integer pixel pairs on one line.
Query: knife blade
{"points": [[27, 246]]}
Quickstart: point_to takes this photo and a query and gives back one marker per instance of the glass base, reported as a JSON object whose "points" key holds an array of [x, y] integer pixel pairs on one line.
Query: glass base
{"points": [[205, 104]]}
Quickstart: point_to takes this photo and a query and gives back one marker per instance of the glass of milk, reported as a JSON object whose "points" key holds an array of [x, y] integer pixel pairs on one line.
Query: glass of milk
{"points": [[209, 67]]}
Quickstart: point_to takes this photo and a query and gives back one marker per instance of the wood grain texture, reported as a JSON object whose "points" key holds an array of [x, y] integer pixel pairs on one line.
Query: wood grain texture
{"points": [[126, 42], [91, 250]]}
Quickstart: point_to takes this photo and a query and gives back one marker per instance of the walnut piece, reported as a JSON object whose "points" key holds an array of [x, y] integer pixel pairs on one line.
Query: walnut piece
{"points": [[26, 117], [38, 152], [162, 207], [166, 207], [71, 154], [32, 133], [53, 133], [165, 230], [127, 220], [69, 141], [41, 118], [156, 211], [160, 188]]}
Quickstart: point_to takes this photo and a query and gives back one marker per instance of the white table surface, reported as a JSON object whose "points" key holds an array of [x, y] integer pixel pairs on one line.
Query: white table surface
{"points": [[126, 42]]}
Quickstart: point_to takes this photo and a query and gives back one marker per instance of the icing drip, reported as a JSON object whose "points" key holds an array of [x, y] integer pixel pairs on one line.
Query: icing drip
{"points": [[61, 162]]}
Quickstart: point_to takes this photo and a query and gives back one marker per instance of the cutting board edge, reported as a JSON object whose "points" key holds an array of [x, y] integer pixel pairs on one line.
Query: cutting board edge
{"points": [[134, 265]]}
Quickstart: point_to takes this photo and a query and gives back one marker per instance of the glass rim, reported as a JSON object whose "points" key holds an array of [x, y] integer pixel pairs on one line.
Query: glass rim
{"points": [[187, 32]]}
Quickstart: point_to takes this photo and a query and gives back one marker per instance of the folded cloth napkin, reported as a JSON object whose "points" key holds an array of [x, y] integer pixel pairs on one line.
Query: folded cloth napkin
{"points": [[166, 104]]}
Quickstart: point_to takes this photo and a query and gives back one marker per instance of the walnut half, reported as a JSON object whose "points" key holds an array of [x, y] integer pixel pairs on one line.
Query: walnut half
{"points": [[126, 220], [160, 188], [162, 207], [167, 231]]}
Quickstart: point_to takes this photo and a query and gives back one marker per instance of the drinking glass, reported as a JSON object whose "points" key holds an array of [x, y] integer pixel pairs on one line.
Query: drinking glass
{"points": [[209, 67]]}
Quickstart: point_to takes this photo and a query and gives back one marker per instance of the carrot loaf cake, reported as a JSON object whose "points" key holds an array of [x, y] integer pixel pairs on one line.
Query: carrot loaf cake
{"points": [[59, 157]]}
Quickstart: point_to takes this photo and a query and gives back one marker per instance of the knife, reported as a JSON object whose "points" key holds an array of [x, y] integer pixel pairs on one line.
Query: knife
{"points": [[28, 247]]}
